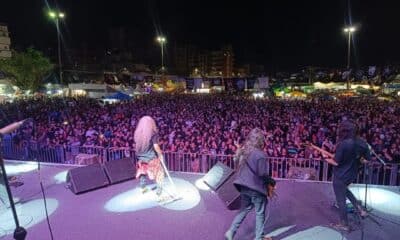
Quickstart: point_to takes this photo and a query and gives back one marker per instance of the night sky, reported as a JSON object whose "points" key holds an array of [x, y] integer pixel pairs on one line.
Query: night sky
{"points": [[279, 34]]}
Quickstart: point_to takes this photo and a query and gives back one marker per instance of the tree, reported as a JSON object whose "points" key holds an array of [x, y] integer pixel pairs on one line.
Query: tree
{"points": [[26, 69]]}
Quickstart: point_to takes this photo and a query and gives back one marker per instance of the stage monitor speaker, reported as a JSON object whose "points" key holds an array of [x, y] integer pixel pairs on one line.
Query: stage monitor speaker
{"points": [[87, 178], [217, 175], [228, 193], [120, 170]]}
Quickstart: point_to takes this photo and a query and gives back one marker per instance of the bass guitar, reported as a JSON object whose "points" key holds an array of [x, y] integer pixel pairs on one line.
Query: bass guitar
{"points": [[330, 156]]}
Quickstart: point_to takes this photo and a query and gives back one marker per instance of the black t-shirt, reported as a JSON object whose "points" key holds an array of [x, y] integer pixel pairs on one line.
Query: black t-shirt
{"points": [[150, 153], [348, 155]]}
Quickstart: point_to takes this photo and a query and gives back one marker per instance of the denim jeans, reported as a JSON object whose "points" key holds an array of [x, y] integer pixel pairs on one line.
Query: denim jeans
{"points": [[341, 193], [251, 199], [142, 181]]}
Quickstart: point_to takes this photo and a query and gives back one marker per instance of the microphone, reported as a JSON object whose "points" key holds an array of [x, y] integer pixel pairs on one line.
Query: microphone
{"points": [[14, 126]]}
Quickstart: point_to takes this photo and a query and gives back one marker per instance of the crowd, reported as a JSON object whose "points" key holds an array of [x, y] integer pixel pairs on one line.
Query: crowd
{"points": [[212, 124]]}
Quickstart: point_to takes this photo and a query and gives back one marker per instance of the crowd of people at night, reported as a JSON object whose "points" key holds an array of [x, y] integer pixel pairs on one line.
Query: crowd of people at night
{"points": [[212, 124]]}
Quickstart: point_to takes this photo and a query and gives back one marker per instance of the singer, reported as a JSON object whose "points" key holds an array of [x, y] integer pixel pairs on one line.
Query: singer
{"points": [[350, 150]]}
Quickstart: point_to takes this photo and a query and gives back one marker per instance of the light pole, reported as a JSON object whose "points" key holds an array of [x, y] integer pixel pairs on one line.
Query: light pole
{"points": [[349, 30], [57, 15], [162, 41]]}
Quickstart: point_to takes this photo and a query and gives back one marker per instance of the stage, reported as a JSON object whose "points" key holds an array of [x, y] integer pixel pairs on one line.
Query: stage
{"points": [[302, 211]]}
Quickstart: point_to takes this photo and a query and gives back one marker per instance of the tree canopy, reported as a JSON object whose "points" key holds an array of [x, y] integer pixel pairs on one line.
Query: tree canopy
{"points": [[26, 70]]}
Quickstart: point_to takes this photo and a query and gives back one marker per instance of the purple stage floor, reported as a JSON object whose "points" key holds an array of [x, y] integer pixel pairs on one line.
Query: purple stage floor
{"points": [[302, 211]]}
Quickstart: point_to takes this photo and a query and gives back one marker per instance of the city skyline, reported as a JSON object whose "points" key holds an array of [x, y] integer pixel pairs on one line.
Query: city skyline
{"points": [[279, 35]]}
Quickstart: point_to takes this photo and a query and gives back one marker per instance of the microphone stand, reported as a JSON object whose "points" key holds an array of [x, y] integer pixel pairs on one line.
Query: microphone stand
{"points": [[19, 232], [366, 182]]}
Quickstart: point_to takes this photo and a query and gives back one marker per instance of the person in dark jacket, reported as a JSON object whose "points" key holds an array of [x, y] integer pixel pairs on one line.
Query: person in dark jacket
{"points": [[252, 171], [349, 153]]}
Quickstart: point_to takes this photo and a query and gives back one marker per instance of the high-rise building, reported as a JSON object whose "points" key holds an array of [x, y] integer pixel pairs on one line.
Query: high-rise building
{"points": [[180, 60], [189, 60], [5, 42], [221, 62], [185, 59]]}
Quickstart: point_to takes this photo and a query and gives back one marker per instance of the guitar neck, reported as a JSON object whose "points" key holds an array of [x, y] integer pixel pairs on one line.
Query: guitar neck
{"points": [[322, 151], [330, 156]]}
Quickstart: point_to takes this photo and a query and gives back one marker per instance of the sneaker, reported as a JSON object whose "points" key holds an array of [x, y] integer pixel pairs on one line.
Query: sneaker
{"points": [[159, 191], [144, 190], [228, 235], [341, 227]]}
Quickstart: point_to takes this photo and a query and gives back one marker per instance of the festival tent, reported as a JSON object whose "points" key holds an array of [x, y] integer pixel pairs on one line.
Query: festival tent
{"points": [[119, 96]]}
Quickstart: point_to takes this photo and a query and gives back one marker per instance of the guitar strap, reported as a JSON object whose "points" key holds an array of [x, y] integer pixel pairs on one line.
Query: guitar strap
{"points": [[267, 180], [251, 169]]}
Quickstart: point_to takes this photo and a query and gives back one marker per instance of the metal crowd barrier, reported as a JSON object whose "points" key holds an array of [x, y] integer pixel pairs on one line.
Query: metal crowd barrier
{"points": [[294, 168]]}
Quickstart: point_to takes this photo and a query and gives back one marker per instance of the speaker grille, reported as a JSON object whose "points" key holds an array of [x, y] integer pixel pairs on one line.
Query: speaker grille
{"points": [[83, 179], [120, 170], [228, 193], [217, 175]]}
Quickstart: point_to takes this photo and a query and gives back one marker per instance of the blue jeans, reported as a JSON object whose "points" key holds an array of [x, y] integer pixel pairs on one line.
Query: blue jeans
{"points": [[142, 181], [251, 199]]}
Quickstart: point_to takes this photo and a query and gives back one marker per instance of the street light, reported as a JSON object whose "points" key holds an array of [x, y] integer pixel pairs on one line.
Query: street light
{"points": [[162, 40], [57, 15], [349, 30]]}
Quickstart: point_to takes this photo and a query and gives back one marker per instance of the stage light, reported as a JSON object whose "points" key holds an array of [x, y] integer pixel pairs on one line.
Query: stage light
{"points": [[61, 177], [134, 200], [52, 14], [15, 169], [29, 213], [378, 198]]}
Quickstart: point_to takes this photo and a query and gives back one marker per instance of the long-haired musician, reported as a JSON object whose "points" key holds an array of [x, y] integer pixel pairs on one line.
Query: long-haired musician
{"points": [[349, 151], [252, 172], [148, 153]]}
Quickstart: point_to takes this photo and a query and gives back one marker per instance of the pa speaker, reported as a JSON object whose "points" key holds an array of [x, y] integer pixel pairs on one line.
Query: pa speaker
{"points": [[120, 170], [217, 175], [228, 194], [84, 179]]}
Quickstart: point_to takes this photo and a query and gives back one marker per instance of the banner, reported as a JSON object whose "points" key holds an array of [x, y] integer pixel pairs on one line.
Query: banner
{"points": [[215, 82], [263, 82], [197, 83], [251, 82], [240, 84], [190, 83]]}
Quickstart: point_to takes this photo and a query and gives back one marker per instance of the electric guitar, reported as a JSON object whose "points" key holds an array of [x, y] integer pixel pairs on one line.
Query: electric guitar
{"points": [[330, 156], [271, 187]]}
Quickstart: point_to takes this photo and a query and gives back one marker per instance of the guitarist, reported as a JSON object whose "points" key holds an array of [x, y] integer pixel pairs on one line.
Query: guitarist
{"points": [[251, 177], [349, 151]]}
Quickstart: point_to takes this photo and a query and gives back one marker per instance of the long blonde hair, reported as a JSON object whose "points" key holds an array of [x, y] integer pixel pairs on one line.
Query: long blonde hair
{"points": [[145, 129], [255, 140]]}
